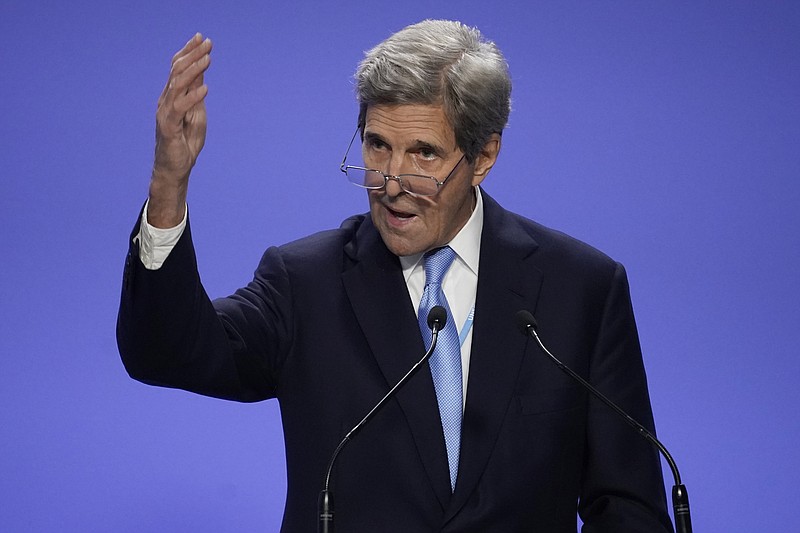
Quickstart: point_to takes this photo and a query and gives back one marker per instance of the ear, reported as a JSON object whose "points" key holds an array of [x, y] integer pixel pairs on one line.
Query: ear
{"points": [[486, 158]]}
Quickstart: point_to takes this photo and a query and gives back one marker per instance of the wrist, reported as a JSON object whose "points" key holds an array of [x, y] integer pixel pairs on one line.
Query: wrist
{"points": [[167, 202]]}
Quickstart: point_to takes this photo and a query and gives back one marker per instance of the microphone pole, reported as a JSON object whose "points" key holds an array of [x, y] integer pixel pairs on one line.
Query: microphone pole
{"points": [[437, 318], [680, 499]]}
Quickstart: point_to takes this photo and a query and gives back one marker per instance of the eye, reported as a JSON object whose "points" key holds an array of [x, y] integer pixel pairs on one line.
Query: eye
{"points": [[428, 154], [374, 144]]}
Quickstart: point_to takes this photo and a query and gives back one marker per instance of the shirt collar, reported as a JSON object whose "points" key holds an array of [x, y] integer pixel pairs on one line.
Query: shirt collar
{"points": [[466, 244]]}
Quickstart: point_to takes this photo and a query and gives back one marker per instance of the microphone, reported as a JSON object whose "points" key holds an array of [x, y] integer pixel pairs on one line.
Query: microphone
{"points": [[437, 318], [680, 499]]}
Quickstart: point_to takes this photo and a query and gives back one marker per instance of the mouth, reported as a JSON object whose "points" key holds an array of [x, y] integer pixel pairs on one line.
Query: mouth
{"points": [[399, 214], [398, 217]]}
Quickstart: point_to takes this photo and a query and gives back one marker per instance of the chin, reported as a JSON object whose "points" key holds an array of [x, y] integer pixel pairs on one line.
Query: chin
{"points": [[401, 241], [400, 246]]}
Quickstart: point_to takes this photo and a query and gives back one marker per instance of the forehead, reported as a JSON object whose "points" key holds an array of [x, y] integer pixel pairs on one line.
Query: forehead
{"points": [[408, 124]]}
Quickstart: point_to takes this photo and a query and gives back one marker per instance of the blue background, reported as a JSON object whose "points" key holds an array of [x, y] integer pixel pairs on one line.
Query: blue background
{"points": [[665, 133]]}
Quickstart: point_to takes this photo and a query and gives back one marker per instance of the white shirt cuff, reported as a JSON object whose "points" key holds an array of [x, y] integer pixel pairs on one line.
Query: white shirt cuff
{"points": [[155, 244]]}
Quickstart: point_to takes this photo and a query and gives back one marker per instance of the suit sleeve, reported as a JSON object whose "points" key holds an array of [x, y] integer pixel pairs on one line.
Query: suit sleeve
{"points": [[623, 488], [170, 333]]}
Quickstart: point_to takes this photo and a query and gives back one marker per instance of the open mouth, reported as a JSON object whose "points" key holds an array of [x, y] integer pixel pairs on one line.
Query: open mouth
{"points": [[400, 214]]}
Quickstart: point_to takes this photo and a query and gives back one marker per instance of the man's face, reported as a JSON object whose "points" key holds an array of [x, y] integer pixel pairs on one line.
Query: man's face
{"points": [[418, 139]]}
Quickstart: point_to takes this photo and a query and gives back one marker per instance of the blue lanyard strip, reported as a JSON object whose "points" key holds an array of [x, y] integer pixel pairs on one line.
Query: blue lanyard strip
{"points": [[467, 326]]}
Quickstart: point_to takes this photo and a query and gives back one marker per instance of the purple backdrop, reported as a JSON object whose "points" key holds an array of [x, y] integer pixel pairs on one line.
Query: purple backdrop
{"points": [[666, 135]]}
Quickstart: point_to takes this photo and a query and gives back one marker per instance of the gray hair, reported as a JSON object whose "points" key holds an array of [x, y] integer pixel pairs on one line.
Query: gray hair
{"points": [[440, 62]]}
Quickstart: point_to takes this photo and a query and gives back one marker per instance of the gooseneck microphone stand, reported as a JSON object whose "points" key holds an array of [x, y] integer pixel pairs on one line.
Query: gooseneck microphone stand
{"points": [[680, 499], [437, 318]]}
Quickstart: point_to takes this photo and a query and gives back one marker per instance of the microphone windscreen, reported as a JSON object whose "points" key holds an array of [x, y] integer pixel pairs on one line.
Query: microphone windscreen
{"points": [[525, 321], [437, 316]]}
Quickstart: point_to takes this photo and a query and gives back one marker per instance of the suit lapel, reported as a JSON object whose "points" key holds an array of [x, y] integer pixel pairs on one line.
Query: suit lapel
{"points": [[379, 297], [507, 282]]}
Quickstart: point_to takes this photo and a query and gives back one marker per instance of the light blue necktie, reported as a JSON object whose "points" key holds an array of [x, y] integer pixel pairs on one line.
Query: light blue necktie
{"points": [[445, 362]]}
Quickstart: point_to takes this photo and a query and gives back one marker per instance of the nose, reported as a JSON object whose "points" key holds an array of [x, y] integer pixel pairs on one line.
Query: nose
{"points": [[395, 164], [395, 167], [393, 186]]}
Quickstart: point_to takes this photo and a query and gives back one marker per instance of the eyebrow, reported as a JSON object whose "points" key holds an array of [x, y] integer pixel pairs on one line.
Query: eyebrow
{"points": [[371, 136]]}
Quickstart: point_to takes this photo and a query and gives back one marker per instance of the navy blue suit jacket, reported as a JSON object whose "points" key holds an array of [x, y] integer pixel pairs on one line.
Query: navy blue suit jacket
{"points": [[327, 326]]}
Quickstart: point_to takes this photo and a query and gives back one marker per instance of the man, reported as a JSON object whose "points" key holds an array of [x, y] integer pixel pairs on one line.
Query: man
{"points": [[490, 438]]}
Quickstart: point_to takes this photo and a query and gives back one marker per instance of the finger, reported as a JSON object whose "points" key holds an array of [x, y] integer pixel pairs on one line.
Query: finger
{"points": [[191, 99], [180, 64], [196, 73], [188, 82], [196, 40], [194, 50], [178, 85], [184, 79], [180, 100]]}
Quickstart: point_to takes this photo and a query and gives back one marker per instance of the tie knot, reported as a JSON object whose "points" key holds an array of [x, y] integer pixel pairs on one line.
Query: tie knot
{"points": [[436, 264]]}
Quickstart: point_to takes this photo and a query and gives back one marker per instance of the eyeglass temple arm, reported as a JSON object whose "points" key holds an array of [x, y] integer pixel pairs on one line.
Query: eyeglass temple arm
{"points": [[350, 144]]}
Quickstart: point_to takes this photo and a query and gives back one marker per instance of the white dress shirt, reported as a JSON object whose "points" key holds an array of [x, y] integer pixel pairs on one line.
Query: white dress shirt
{"points": [[460, 283]]}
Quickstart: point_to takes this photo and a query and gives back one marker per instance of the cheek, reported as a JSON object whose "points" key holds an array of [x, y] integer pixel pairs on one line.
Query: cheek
{"points": [[428, 208], [433, 219], [374, 198]]}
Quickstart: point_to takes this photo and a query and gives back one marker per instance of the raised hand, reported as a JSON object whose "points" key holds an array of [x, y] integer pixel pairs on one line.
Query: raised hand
{"points": [[180, 132]]}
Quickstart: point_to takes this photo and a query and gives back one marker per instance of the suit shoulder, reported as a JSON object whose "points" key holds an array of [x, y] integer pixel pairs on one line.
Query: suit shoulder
{"points": [[322, 246], [566, 248]]}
